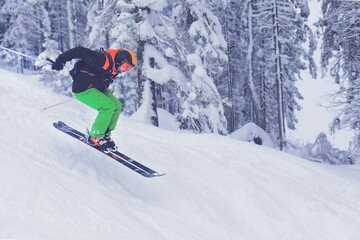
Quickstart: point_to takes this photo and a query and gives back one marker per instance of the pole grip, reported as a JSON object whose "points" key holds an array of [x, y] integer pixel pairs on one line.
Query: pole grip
{"points": [[51, 61]]}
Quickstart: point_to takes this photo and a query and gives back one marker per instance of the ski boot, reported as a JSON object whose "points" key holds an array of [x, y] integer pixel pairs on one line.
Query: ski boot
{"points": [[100, 142], [110, 143]]}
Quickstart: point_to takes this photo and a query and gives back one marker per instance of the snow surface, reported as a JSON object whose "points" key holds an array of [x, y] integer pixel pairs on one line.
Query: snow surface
{"points": [[216, 187]]}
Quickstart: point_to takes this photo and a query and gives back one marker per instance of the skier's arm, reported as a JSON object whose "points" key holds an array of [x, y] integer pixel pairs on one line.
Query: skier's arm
{"points": [[91, 57], [80, 53]]}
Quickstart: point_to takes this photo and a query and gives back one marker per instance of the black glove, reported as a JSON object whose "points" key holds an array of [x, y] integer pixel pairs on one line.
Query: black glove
{"points": [[58, 65]]}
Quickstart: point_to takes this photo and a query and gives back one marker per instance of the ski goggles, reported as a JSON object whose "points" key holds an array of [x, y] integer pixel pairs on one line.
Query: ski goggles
{"points": [[125, 66]]}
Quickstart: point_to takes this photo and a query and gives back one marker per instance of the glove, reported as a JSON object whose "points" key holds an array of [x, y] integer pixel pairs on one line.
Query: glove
{"points": [[58, 65]]}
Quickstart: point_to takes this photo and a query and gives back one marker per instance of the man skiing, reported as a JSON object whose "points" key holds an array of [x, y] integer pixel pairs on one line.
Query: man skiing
{"points": [[92, 75]]}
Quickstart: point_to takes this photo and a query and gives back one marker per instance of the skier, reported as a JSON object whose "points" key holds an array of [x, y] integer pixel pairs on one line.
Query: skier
{"points": [[92, 75]]}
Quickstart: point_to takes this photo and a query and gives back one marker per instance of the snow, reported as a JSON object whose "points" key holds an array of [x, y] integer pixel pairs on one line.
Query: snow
{"points": [[216, 187], [194, 60], [144, 113], [167, 120], [147, 31], [250, 131], [198, 27], [157, 5], [162, 71]]}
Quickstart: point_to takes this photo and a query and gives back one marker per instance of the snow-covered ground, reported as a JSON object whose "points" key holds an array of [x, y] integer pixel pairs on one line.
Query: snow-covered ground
{"points": [[216, 187]]}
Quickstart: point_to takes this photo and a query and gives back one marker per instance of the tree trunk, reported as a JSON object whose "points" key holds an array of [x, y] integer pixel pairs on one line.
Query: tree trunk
{"points": [[254, 96], [20, 65], [230, 25], [263, 110], [154, 117], [142, 78], [58, 29], [71, 18], [278, 75]]}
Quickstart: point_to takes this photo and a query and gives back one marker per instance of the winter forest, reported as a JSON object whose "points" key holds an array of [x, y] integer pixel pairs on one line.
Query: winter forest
{"points": [[214, 64]]}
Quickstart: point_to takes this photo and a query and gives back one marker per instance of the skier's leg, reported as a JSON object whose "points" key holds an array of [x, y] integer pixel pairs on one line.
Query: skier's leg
{"points": [[116, 114], [101, 102]]}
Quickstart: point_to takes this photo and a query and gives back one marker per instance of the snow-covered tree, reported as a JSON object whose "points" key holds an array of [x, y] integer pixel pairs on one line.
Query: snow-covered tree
{"points": [[323, 151], [340, 56], [204, 48], [102, 19], [277, 32], [237, 109], [61, 81], [165, 62], [22, 30]]}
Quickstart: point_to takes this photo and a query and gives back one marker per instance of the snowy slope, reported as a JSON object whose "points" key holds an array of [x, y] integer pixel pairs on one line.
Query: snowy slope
{"points": [[54, 187]]}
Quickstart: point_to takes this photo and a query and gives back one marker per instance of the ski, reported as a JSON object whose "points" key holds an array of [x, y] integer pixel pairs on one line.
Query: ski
{"points": [[117, 156]]}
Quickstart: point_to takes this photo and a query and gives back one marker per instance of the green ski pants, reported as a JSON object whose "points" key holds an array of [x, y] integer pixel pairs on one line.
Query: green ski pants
{"points": [[108, 107]]}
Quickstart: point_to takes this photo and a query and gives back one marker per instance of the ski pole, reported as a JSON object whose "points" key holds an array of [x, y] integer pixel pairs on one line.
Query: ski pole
{"points": [[18, 53], [57, 104], [27, 56]]}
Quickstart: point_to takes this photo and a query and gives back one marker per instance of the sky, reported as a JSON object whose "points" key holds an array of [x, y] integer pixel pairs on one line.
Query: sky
{"points": [[315, 117], [216, 187]]}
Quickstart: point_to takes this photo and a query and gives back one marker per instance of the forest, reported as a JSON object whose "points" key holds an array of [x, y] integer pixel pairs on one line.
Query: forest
{"points": [[214, 64]]}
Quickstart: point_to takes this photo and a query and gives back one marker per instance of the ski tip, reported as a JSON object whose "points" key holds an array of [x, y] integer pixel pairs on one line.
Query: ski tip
{"points": [[59, 124], [155, 175]]}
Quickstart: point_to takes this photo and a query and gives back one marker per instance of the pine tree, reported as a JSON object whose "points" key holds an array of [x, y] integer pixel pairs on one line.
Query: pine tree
{"points": [[103, 20], [227, 88], [279, 30], [205, 46], [71, 23], [73, 36], [165, 62], [26, 23], [15, 18], [323, 151], [4, 20], [340, 56], [236, 32]]}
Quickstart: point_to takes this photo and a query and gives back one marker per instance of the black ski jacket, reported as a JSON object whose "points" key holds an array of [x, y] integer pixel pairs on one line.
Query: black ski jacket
{"points": [[88, 72]]}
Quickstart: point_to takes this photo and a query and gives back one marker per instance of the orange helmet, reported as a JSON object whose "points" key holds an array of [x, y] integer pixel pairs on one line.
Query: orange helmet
{"points": [[125, 55]]}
